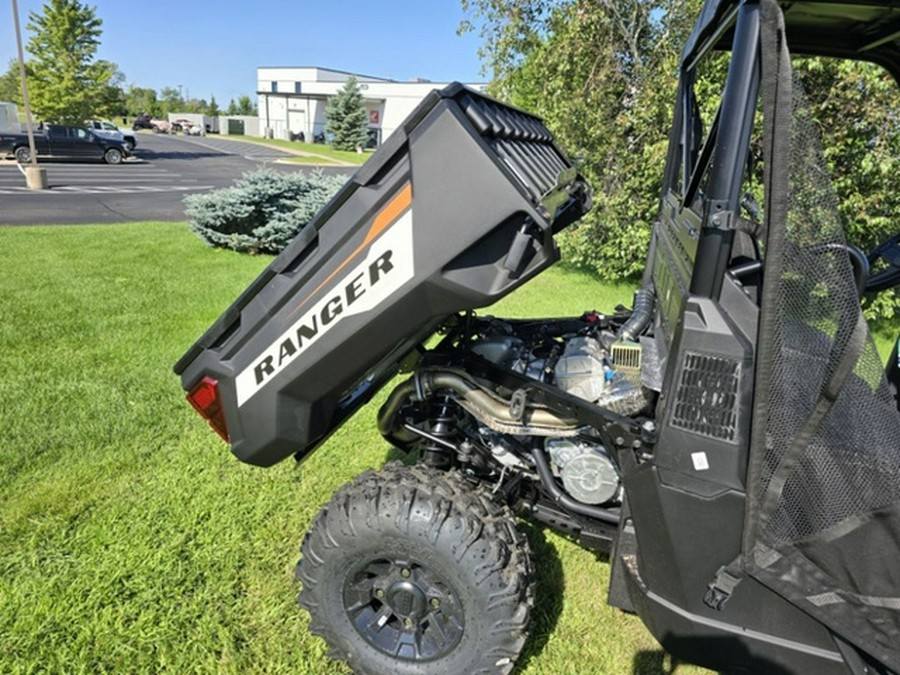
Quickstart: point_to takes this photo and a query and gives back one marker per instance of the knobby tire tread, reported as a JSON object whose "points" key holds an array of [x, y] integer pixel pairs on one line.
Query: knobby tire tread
{"points": [[487, 531]]}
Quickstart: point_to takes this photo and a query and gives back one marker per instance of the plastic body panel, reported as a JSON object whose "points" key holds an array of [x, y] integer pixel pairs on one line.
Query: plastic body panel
{"points": [[424, 229], [756, 631]]}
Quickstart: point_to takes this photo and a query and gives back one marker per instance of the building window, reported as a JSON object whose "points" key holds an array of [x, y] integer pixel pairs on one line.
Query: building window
{"points": [[274, 87], [297, 87]]}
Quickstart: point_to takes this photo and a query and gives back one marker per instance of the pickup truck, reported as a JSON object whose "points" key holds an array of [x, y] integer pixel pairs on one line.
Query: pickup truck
{"points": [[109, 130], [64, 142]]}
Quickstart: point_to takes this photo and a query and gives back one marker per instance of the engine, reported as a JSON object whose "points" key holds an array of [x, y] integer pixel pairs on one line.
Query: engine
{"points": [[587, 472], [459, 413], [581, 366]]}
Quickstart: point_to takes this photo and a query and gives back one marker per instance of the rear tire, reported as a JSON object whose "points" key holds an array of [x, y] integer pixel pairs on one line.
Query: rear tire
{"points": [[411, 571], [113, 156], [23, 155]]}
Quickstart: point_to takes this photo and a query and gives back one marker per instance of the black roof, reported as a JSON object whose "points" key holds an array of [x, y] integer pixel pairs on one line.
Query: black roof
{"points": [[857, 29]]}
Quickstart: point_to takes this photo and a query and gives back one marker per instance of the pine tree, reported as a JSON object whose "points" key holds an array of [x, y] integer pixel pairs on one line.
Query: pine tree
{"points": [[66, 82], [346, 115]]}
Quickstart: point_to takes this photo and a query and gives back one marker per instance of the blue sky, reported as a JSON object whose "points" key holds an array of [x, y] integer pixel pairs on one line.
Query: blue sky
{"points": [[213, 47]]}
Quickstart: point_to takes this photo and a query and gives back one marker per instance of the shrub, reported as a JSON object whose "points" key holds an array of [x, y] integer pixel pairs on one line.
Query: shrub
{"points": [[262, 212]]}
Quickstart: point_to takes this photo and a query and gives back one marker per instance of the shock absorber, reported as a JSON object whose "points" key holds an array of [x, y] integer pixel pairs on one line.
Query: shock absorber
{"points": [[443, 428]]}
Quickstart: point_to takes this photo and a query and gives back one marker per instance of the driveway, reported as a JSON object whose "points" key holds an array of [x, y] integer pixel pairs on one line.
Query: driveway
{"points": [[152, 186]]}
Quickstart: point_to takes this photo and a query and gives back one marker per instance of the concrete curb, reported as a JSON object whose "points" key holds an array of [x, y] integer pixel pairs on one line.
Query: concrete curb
{"points": [[298, 153]]}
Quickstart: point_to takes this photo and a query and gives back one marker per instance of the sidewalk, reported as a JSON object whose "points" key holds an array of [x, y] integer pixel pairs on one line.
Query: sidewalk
{"points": [[329, 161]]}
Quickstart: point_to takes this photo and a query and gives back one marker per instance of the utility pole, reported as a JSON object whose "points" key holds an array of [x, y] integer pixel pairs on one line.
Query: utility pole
{"points": [[35, 176]]}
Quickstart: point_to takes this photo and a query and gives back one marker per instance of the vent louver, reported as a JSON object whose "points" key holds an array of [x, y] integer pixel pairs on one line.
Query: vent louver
{"points": [[707, 396]]}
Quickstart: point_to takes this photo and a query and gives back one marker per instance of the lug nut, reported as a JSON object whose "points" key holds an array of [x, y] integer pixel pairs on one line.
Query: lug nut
{"points": [[404, 573], [435, 603], [379, 593], [408, 623]]}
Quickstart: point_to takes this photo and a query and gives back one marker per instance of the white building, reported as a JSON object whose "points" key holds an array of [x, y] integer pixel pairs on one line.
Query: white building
{"points": [[292, 100]]}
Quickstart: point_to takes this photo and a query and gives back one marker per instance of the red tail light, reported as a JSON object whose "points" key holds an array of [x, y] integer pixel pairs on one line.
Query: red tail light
{"points": [[205, 399]]}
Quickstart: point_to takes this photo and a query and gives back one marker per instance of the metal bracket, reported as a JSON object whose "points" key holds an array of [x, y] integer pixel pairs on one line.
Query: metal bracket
{"points": [[720, 218], [518, 403]]}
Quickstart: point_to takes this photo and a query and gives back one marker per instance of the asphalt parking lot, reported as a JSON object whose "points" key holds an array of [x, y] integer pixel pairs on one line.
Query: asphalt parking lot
{"points": [[151, 186]]}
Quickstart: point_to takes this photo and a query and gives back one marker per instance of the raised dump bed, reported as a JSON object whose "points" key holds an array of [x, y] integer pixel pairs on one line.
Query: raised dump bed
{"points": [[456, 210]]}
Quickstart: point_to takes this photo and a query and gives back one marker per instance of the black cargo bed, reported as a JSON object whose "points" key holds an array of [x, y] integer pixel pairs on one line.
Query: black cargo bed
{"points": [[456, 210]]}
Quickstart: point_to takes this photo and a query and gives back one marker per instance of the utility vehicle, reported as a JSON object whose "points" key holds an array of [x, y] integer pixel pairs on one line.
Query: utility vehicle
{"points": [[733, 440]]}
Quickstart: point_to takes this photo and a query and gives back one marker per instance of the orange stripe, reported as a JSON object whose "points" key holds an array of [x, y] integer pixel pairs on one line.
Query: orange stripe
{"points": [[388, 215], [385, 218]]}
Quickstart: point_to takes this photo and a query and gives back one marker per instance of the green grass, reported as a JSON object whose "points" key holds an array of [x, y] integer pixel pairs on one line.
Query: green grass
{"points": [[312, 149], [131, 540], [309, 160]]}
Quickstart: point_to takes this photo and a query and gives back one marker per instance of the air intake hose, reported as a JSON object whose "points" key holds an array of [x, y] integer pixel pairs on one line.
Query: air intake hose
{"points": [[641, 315]]}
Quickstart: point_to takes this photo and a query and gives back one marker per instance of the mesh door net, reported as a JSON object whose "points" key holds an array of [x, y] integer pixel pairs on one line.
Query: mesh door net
{"points": [[823, 515]]}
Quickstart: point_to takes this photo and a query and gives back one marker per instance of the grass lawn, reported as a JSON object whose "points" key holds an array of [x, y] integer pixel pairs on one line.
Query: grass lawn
{"points": [[131, 541], [313, 149], [309, 160]]}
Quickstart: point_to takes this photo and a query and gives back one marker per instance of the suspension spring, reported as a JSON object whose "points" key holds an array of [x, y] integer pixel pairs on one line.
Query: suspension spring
{"points": [[443, 426]]}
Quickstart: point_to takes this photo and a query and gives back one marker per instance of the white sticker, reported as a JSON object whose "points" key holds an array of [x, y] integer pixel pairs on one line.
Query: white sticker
{"points": [[387, 266], [700, 460]]}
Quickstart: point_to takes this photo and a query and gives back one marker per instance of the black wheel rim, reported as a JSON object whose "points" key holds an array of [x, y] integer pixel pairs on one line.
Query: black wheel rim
{"points": [[404, 609]]}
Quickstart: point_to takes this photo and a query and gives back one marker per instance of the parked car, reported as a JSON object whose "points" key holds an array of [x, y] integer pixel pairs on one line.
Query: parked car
{"points": [[193, 124], [59, 141], [188, 127], [142, 121], [107, 129], [145, 121]]}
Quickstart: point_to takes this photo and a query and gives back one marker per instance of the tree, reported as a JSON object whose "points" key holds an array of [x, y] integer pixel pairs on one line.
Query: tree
{"points": [[854, 105], [112, 102], [196, 105], [10, 85], [66, 82], [171, 100], [245, 106], [602, 74], [212, 109], [346, 116], [140, 100]]}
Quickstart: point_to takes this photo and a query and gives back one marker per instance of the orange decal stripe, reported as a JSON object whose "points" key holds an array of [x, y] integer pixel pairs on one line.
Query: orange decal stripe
{"points": [[388, 215], [384, 219]]}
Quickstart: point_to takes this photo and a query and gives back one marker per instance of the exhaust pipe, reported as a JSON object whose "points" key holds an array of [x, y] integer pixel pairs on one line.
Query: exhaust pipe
{"points": [[484, 405]]}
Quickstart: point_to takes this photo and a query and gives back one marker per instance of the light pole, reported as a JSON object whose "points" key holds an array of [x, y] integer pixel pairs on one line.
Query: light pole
{"points": [[35, 176]]}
